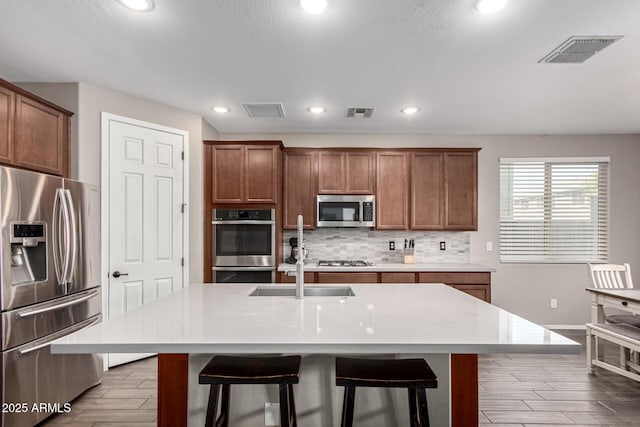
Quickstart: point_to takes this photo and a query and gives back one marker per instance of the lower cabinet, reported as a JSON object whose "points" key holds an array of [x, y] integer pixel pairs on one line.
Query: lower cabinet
{"points": [[477, 284], [400, 277], [309, 277], [369, 277]]}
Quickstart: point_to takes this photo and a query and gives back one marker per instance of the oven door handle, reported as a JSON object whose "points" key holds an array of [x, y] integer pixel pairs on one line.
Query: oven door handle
{"points": [[243, 268], [248, 222]]}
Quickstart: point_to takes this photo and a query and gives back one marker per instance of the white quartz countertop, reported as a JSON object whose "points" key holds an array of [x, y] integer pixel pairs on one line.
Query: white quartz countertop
{"points": [[380, 319], [426, 267]]}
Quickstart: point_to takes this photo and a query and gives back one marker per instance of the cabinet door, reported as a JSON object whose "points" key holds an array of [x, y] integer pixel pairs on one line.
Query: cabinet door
{"points": [[398, 277], [40, 137], [348, 278], [427, 191], [299, 190], [461, 182], [309, 277], [360, 173], [391, 191], [261, 174], [7, 106], [331, 172], [228, 174]]}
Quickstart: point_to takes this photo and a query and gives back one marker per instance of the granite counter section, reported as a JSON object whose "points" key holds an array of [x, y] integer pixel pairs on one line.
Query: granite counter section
{"points": [[395, 267]]}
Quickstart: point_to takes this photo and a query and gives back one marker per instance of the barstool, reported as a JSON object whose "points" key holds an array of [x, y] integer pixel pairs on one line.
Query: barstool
{"points": [[413, 374], [226, 370]]}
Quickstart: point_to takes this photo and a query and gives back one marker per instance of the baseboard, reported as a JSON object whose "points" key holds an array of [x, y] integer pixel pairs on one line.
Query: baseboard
{"points": [[566, 327]]}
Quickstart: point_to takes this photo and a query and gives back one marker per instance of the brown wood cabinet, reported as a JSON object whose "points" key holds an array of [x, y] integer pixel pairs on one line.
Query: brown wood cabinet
{"points": [[427, 191], [399, 277], [345, 172], [309, 277], [299, 176], [244, 173], [7, 111], [368, 277], [477, 284], [461, 186], [34, 133], [392, 190]]}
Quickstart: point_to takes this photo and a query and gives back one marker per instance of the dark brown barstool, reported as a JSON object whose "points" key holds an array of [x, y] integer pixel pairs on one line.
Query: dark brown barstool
{"points": [[413, 374], [226, 370]]}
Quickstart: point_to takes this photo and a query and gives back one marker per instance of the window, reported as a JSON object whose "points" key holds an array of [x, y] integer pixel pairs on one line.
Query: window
{"points": [[554, 210]]}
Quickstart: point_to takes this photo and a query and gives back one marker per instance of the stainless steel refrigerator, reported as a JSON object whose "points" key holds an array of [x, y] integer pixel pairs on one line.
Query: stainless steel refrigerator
{"points": [[50, 280]]}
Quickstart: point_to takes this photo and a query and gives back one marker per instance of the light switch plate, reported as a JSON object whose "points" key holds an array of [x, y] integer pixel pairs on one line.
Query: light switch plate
{"points": [[489, 246]]}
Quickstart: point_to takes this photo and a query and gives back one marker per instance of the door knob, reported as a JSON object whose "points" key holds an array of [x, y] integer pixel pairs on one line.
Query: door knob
{"points": [[117, 274]]}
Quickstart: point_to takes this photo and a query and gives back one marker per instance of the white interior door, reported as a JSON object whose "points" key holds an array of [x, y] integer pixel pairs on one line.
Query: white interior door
{"points": [[146, 215]]}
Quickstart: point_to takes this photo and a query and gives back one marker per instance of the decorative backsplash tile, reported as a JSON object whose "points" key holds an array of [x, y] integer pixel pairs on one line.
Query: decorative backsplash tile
{"points": [[370, 245]]}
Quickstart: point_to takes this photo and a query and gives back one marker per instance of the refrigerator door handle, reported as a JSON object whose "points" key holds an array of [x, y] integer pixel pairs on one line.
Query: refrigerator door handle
{"points": [[55, 237], [67, 236], [45, 341], [29, 313], [73, 236]]}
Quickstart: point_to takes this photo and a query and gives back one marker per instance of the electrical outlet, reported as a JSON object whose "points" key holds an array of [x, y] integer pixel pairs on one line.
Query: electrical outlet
{"points": [[554, 303], [489, 246], [443, 246], [392, 245], [271, 414]]}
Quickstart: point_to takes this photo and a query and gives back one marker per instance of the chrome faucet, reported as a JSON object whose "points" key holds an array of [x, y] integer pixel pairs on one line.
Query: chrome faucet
{"points": [[300, 262]]}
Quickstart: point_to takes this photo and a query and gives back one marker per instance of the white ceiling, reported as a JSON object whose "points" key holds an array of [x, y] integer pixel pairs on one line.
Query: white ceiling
{"points": [[470, 73]]}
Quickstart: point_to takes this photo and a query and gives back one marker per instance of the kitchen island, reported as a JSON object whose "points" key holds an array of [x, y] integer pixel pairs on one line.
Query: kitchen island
{"points": [[447, 327]]}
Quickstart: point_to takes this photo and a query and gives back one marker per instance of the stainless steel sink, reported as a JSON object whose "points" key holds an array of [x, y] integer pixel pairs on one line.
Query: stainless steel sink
{"points": [[309, 291]]}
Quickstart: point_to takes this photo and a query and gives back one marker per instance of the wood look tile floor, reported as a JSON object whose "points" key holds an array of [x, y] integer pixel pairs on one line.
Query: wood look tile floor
{"points": [[515, 390]]}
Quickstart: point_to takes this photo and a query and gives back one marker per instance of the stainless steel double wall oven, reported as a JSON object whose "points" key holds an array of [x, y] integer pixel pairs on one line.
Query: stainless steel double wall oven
{"points": [[244, 249], [50, 287]]}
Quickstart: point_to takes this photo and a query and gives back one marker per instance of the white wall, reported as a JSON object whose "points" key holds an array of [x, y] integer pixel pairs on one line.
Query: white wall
{"points": [[525, 289]]}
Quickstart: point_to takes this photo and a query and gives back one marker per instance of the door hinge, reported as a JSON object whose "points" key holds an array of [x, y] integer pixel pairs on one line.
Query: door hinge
{"points": [[182, 155], [182, 207], [182, 262]]}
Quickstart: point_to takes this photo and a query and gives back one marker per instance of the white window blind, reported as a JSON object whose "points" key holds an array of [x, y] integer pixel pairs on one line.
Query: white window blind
{"points": [[554, 210]]}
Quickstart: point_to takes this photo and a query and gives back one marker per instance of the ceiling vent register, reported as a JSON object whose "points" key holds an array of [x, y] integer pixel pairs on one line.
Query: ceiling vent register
{"points": [[577, 49], [264, 110], [359, 112]]}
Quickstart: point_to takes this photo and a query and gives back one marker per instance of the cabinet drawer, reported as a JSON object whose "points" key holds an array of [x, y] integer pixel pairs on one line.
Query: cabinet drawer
{"points": [[630, 306], [479, 291], [455, 278], [400, 277], [348, 277], [308, 278]]}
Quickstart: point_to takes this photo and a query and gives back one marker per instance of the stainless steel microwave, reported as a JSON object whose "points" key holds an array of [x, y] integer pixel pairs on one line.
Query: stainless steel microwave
{"points": [[346, 211]]}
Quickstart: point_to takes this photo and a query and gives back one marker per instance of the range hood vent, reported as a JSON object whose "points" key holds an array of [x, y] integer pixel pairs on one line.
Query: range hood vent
{"points": [[359, 112], [577, 49], [264, 110]]}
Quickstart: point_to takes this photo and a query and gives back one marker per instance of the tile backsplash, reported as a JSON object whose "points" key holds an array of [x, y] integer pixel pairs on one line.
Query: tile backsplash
{"points": [[370, 245]]}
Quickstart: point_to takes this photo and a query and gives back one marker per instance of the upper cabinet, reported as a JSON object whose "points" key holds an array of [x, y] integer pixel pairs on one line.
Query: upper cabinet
{"points": [[7, 111], [299, 176], [444, 190], [34, 133], [244, 173], [461, 186], [427, 191], [392, 189], [346, 172]]}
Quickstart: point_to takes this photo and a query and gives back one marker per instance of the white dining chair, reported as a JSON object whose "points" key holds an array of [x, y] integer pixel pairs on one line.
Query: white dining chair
{"points": [[615, 276]]}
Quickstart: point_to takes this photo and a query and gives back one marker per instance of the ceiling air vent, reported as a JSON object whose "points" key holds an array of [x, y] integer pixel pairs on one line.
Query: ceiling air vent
{"points": [[576, 50], [264, 109], [359, 112]]}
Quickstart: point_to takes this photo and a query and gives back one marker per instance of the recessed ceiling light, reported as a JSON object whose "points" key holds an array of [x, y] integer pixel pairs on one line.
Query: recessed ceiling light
{"points": [[316, 109], [410, 110], [138, 5], [221, 109], [486, 7], [314, 7]]}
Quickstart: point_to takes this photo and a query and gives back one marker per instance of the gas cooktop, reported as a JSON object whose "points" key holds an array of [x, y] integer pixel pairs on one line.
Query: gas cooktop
{"points": [[344, 263]]}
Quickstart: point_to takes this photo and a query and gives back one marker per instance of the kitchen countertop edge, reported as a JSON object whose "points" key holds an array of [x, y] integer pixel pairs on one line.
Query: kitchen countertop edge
{"points": [[395, 267]]}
